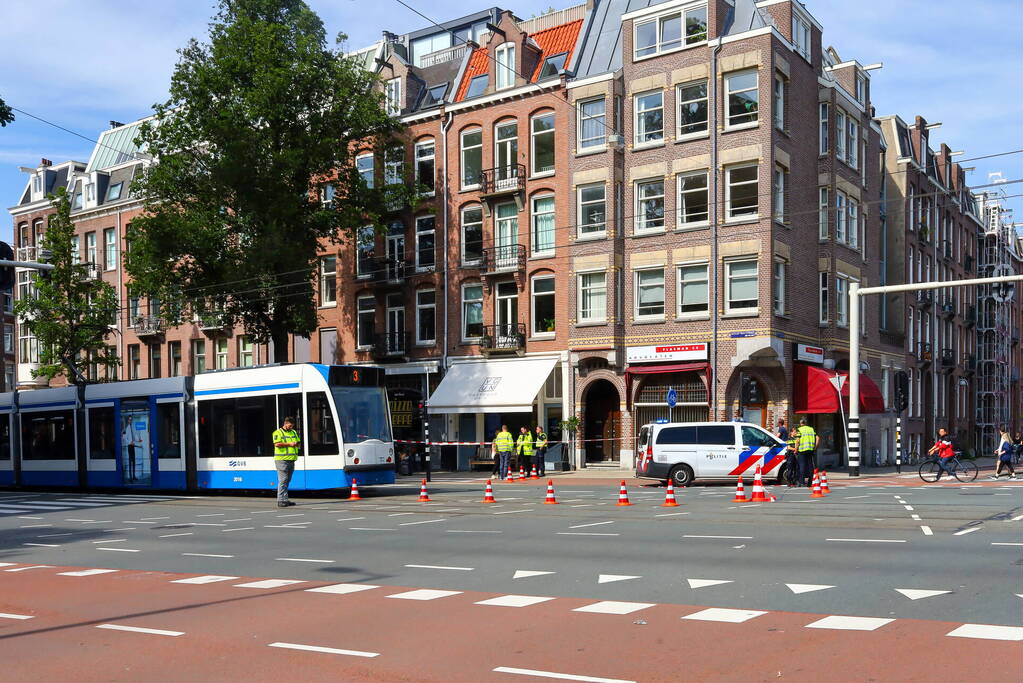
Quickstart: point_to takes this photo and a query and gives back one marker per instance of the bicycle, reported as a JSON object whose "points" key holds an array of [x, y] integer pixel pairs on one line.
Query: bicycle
{"points": [[964, 471]]}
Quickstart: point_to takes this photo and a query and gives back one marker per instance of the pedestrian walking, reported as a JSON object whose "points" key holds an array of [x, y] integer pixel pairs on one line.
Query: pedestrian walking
{"points": [[503, 446], [524, 447], [945, 451], [286, 444], [1005, 452], [807, 441], [738, 416], [540, 446], [1017, 447]]}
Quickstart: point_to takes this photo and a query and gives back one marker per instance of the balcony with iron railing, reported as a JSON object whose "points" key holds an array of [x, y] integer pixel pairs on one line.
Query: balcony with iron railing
{"points": [[391, 344], [507, 258], [503, 180], [923, 353], [29, 253], [948, 359], [503, 337], [212, 323], [382, 270], [924, 299], [148, 326], [948, 309]]}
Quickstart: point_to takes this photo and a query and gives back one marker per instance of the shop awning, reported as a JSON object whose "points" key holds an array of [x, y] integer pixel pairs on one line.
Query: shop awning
{"points": [[492, 386], [813, 391], [632, 370]]}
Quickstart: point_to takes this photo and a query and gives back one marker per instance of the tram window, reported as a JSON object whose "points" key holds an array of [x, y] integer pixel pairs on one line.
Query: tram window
{"points": [[102, 433], [322, 435], [232, 427], [363, 413], [5, 437], [290, 405], [48, 436], [169, 430], [254, 426]]}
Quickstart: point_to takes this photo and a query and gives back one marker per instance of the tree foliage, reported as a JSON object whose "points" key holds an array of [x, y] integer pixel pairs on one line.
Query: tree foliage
{"points": [[258, 118], [71, 313], [6, 115]]}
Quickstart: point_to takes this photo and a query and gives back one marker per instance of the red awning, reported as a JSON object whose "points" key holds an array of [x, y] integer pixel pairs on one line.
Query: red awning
{"points": [[664, 369], [813, 391]]}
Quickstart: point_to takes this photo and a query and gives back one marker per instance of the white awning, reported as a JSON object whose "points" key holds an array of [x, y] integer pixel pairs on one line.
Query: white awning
{"points": [[492, 386]]}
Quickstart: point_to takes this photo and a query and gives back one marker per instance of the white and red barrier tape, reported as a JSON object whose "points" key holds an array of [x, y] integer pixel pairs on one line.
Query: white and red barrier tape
{"points": [[491, 443]]}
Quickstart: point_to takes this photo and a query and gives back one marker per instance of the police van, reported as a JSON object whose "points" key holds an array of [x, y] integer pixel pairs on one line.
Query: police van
{"points": [[687, 451]]}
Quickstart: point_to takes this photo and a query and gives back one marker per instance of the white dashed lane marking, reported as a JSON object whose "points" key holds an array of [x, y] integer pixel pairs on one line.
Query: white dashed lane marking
{"points": [[207, 578], [731, 616], [987, 632], [423, 594], [87, 572], [5, 615], [553, 674], [325, 650], [268, 583], [513, 601], [139, 629], [614, 607], [843, 623], [341, 588]]}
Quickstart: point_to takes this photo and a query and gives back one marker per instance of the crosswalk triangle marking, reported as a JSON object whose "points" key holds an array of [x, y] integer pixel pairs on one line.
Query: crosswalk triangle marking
{"points": [[703, 583], [798, 588], [526, 573], [916, 594], [610, 578]]}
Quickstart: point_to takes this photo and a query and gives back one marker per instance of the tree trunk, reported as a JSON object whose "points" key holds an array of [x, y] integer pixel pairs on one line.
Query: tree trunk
{"points": [[279, 336]]}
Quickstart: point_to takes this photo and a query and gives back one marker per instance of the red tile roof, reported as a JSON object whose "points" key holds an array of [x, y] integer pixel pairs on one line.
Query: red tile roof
{"points": [[479, 64], [554, 41]]}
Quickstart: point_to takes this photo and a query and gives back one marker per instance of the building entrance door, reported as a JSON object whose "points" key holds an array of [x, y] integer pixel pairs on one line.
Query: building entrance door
{"points": [[602, 423]]}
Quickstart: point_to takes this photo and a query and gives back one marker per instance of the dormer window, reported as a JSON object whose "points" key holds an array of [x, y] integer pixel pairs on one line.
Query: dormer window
{"points": [[477, 86], [435, 95], [37, 184], [665, 33], [392, 94], [114, 192], [76, 201], [861, 89], [505, 56], [90, 192], [553, 65], [801, 35]]}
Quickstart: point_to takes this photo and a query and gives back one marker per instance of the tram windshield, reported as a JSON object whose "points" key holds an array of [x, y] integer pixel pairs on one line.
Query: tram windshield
{"points": [[362, 413]]}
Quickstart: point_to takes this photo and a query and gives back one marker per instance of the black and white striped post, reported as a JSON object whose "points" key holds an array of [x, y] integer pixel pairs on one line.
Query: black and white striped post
{"points": [[898, 444], [426, 437]]}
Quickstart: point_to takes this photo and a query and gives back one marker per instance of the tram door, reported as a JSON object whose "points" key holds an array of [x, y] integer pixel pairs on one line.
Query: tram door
{"points": [[136, 444]]}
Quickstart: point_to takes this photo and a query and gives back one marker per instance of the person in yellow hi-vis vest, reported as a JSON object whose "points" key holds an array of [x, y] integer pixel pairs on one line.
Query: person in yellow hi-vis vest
{"points": [[806, 447], [540, 444], [524, 446], [503, 447], [286, 448]]}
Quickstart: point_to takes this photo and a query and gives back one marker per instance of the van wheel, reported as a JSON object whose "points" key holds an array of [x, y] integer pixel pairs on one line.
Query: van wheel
{"points": [[681, 475]]}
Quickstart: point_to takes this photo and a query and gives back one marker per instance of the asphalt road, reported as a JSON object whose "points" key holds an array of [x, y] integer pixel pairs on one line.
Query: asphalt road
{"points": [[884, 559]]}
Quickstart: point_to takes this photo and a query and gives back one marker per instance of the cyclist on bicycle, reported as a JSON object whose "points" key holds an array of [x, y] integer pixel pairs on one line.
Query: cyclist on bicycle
{"points": [[943, 447]]}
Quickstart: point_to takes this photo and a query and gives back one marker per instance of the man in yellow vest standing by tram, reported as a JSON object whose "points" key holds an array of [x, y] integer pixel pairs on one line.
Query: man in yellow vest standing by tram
{"points": [[286, 447]]}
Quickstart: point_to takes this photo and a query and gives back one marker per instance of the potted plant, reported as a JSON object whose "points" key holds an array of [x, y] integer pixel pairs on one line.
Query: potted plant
{"points": [[569, 426], [548, 324]]}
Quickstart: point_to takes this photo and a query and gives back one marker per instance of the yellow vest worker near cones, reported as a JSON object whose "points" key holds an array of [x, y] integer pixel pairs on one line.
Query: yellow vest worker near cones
{"points": [[286, 448], [806, 446], [504, 444], [524, 446]]}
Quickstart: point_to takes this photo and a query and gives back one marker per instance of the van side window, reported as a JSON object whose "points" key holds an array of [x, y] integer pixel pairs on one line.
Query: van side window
{"points": [[715, 435], [751, 436], [644, 436], [677, 435]]}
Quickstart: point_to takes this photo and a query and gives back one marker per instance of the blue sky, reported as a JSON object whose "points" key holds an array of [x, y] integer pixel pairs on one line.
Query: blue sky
{"points": [[82, 64]]}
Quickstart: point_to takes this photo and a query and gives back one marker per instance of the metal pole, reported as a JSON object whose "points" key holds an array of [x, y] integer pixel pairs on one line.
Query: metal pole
{"points": [[426, 436], [898, 443], [853, 435]]}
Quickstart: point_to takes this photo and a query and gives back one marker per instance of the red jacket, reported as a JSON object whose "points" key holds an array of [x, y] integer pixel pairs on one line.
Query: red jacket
{"points": [[944, 446]]}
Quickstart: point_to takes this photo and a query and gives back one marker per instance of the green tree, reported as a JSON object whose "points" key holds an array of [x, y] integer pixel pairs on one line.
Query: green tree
{"points": [[71, 313], [258, 120], [6, 115]]}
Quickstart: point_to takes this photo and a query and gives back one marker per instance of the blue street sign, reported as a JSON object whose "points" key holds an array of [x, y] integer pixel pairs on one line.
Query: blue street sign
{"points": [[672, 398]]}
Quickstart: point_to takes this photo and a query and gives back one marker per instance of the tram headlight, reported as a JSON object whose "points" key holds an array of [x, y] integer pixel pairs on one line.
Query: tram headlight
{"points": [[351, 452]]}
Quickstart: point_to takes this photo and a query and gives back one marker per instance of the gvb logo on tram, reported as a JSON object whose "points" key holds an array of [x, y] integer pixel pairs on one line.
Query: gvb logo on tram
{"points": [[211, 431]]}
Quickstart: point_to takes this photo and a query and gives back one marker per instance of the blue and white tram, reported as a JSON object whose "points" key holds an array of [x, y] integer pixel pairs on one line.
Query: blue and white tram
{"points": [[340, 411], [207, 432]]}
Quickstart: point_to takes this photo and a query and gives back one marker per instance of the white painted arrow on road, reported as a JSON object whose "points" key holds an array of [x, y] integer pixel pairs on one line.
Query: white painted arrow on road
{"points": [[916, 594], [798, 588], [610, 578], [703, 583], [526, 573]]}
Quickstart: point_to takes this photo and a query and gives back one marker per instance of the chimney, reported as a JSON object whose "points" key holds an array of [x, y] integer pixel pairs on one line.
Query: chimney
{"points": [[45, 162]]}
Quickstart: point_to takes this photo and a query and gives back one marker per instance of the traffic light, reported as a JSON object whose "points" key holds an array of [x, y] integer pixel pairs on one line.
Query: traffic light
{"points": [[6, 272], [901, 391], [750, 391]]}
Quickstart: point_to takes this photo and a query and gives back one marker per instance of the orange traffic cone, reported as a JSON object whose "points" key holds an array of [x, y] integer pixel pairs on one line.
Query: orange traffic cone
{"points": [[669, 497], [533, 474], [824, 482], [424, 497], [488, 494], [759, 494], [509, 478], [354, 495], [522, 472], [816, 493], [550, 500], [740, 493], [623, 495]]}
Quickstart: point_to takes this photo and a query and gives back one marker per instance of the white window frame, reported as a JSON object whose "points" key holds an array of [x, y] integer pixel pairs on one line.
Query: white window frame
{"points": [[840, 123], [681, 281], [465, 338], [328, 294], [681, 222], [729, 216], [533, 228], [824, 141], [841, 216], [583, 233], [824, 208], [359, 310], [370, 178], [638, 273], [778, 194], [220, 354], [594, 143], [680, 103], [749, 310], [421, 154], [641, 133], [504, 65], [246, 352], [587, 290], [853, 223], [823, 297], [728, 104], [852, 142], [462, 149], [421, 308], [841, 301], [392, 96], [533, 135], [778, 103], [660, 46], [533, 333], [780, 278], [197, 355], [421, 232], [640, 222], [110, 249], [461, 229], [861, 88], [802, 37]]}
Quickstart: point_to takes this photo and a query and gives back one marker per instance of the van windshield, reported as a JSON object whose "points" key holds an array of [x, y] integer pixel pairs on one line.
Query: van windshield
{"points": [[751, 436]]}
